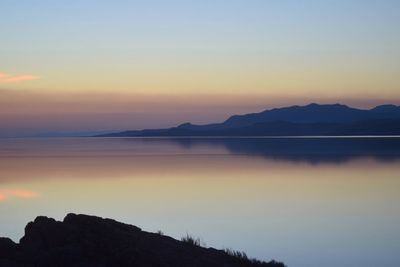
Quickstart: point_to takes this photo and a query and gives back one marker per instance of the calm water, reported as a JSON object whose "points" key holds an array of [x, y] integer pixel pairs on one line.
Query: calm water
{"points": [[307, 202]]}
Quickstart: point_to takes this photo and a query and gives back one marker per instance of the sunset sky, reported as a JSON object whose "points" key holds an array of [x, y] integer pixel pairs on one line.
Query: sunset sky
{"points": [[90, 65]]}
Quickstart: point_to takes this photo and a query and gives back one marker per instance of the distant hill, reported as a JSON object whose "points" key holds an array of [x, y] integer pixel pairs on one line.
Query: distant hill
{"points": [[82, 240], [312, 119]]}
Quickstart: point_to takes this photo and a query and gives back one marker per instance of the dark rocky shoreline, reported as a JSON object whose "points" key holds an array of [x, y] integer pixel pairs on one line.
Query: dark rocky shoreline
{"points": [[82, 240]]}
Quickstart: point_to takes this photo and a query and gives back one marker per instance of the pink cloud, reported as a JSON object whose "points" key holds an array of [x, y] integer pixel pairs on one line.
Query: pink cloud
{"points": [[8, 78], [5, 194], [22, 193]]}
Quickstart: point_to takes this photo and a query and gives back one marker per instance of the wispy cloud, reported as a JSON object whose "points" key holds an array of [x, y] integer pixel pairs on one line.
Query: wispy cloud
{"points": [[10, 78], [6, 194]]}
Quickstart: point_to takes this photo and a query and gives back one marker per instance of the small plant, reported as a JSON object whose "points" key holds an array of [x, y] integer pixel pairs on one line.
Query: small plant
{"points": [[191, 240], [237, 254], [159, 232]]}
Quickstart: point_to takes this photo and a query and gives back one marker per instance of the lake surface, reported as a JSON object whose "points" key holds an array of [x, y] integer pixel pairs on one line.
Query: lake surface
{"points": [[304, 201]]}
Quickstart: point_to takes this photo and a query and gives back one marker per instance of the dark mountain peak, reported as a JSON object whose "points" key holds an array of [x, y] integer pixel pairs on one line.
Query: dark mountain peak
{"points": [[311, 113], [185, 125], [312, 105], [83, 240], [388, 108], [331, 106]]}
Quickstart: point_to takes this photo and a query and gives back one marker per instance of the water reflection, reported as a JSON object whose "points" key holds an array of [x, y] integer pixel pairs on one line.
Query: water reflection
{"points": [[307, 202], [310, 150]]}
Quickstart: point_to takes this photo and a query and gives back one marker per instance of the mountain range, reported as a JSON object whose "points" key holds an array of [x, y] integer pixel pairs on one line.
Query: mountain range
{"points": [[310, 120]]}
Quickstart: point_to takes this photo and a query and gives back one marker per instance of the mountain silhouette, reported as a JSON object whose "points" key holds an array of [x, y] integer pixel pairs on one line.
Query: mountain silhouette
{"points": [[312, 119], [82, 240], [315, 113]]}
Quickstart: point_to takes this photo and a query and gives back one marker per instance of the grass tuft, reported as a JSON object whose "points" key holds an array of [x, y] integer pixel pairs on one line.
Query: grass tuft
{"points": [[246, 261], [191, 240]]}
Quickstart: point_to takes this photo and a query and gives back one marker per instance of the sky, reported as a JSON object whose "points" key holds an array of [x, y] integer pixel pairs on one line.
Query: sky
{"points": [[108, 65]]}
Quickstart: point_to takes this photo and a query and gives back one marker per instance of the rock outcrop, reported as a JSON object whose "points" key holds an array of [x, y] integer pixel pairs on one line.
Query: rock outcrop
{"points": [[82, 240]]}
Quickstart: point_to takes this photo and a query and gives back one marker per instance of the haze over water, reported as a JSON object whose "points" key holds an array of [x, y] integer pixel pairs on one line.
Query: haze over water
{"points": [[306, 202]]}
